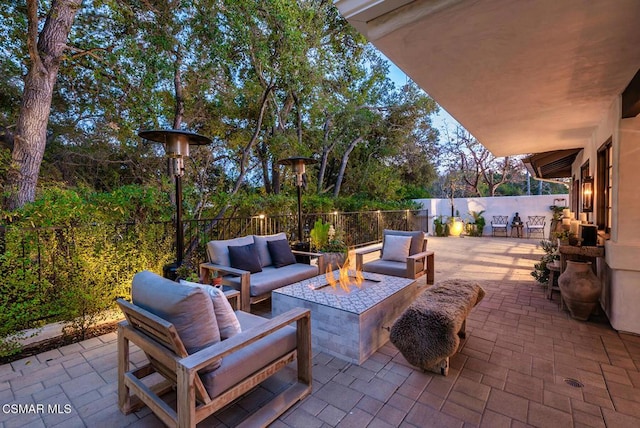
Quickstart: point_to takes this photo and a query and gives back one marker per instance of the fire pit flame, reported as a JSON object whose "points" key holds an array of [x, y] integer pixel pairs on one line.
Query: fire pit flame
{"points": [[344, 280]]}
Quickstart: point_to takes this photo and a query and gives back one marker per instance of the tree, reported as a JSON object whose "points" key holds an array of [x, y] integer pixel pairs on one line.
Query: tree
{"points": [[474, 166], [45, 53]]}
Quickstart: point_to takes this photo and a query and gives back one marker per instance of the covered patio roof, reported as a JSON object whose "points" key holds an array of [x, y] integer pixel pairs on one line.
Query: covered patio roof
{"points": [[521, 76], [548, 165]]}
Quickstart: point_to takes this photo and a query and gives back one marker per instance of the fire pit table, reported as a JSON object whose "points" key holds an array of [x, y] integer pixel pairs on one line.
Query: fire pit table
{"points": [[348, 323]]}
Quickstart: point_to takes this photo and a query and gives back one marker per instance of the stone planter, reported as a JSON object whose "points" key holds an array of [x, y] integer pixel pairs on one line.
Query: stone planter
{"points": [[580, 289], [334, 261]]}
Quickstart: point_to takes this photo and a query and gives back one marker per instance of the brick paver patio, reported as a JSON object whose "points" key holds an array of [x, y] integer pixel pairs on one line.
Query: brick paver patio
{"points": [[511, 371]]}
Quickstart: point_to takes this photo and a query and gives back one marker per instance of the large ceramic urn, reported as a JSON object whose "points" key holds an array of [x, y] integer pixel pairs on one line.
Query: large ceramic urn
{"points": [[580, 289]]}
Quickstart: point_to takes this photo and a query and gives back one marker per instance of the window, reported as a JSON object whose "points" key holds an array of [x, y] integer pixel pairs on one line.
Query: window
{"points": [[604, 194]]}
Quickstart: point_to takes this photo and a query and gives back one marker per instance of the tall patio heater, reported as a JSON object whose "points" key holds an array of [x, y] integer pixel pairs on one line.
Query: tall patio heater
{"points": [[176, 144], [299, 167]]}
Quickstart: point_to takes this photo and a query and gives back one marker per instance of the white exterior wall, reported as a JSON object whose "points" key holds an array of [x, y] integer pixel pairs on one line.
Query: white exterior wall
{"points": [[620, 272], [493, 206]]}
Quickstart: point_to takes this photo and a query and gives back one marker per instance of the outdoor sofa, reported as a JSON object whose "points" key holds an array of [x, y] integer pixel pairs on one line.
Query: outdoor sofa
{"points": [[256, 265]]}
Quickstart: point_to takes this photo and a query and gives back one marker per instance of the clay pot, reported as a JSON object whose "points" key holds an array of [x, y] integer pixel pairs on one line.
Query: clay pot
{"points": [[580, 289]]}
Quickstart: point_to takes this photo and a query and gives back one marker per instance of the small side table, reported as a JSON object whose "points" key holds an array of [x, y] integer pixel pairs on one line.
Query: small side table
{"points": [[232, 295], [554, 271], [517, 228]]}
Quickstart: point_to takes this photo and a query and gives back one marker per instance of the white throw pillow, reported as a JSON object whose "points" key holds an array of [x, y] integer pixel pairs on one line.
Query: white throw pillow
{"points": [[228, 323], [396, 248]]}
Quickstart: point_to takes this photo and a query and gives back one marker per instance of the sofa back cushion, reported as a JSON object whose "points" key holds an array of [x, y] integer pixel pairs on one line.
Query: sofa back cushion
{"points": [[189, 309], [417, 239], [218, 250], [263, 250]]}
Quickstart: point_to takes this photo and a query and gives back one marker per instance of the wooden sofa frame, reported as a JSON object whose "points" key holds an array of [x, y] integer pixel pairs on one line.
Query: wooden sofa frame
{"points": [[167, 355], [246, 300]]}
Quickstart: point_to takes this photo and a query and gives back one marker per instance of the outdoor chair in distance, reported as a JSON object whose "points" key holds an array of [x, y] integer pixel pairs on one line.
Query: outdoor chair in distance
{"points": [[499, 225], [536, 225]]}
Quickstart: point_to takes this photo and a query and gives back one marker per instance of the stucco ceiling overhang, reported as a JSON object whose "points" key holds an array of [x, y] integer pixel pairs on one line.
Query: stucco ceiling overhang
{"points": [[521, 76]]}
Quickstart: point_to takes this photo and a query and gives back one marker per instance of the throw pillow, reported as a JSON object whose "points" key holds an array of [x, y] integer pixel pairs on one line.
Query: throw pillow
{"points": [[280, 252], [263, 249], [228, 323], [396, 248], [245, 257]]}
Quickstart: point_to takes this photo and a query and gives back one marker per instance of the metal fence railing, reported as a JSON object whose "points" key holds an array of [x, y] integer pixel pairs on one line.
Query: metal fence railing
{"points": [[52, 273]]}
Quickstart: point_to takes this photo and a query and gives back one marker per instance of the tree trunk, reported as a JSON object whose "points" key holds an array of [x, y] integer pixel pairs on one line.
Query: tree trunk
{"points": [[31, 130], [343, 165], [326, 149]]}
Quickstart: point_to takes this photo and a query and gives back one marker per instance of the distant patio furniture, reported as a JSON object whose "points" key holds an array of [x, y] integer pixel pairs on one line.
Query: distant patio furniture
{"points": [[499, 225], [175, 325], [536, 225], [402, 254], [273, 266]]}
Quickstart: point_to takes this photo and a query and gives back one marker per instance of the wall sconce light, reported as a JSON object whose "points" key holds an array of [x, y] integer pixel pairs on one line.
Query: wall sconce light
{"points": [[587, 194]]}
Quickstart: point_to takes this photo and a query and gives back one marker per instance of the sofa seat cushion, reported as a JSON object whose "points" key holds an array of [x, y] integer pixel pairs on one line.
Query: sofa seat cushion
{"points": [[218, 250], [386, 267], [271, 278], [245, 361]]}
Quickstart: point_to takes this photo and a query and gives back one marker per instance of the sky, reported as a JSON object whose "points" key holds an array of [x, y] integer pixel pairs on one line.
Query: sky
{"points": [[440, 121]]}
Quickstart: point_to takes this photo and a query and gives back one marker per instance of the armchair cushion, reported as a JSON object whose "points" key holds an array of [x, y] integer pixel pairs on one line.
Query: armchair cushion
{"points": [[386, 267], [280, 252], [396, 248], [227, 320], [245, 361], [263, 249], [417, 239], [218, 250], [245, 257], [188, 308]]}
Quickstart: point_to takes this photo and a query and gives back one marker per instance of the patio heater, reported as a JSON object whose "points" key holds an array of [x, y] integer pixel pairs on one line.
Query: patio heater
{"points": [[299, 168], [176, 144]]}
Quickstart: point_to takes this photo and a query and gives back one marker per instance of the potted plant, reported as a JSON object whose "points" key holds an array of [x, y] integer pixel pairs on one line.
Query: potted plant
{"points": [[441, 227], [476, 226], [551, 256], [187, 272], [327, 240]]}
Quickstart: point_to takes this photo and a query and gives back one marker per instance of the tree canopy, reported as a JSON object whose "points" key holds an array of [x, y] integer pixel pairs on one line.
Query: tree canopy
{"points": [[264, 79]]}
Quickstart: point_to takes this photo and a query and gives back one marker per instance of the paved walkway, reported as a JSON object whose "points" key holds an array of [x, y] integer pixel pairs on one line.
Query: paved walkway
{"points": [[515, 368]]}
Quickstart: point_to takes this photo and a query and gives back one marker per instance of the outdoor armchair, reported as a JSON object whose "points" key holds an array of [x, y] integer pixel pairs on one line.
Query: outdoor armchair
{"points": [[401, 254], [499, 224], [175, 325], [536, 225]]}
